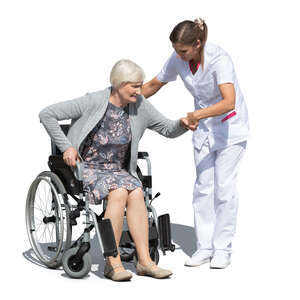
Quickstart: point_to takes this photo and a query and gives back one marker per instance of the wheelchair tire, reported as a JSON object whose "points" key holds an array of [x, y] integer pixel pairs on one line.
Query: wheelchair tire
{"points": [[76, 270], [47, 219]]}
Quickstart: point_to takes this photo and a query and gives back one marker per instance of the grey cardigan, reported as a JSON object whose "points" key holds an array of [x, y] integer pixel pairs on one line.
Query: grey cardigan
{"points": [[86, 111]]}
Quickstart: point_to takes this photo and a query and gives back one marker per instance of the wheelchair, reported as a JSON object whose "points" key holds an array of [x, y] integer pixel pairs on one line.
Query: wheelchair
{"points": [[50, 217]]}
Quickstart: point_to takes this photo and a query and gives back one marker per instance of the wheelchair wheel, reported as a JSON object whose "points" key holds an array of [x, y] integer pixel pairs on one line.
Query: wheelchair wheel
{"points": [[73, 268], [47, 219]]}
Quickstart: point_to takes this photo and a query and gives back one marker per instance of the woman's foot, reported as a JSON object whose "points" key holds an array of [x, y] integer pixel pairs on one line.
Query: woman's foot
{"points": [[152, 270], [116, 272]]}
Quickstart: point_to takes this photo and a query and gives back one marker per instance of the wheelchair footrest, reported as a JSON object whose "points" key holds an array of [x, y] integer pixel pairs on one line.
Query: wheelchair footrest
{"points": [[164, 227], [108, 238]]}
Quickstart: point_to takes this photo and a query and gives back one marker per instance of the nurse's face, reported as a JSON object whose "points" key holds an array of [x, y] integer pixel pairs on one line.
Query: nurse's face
{"points": [[129, 91], [187, 52]]}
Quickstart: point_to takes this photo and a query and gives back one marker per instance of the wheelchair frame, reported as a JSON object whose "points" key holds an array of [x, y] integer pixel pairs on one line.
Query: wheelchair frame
{"points": [[74, 257]]}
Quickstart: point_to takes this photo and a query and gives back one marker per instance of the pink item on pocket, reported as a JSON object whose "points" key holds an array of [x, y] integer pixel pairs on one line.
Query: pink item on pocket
{"points": [[229, 116]]}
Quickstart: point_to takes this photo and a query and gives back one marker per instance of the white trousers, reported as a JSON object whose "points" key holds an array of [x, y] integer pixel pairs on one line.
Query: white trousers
{"points": [[215, 200]]}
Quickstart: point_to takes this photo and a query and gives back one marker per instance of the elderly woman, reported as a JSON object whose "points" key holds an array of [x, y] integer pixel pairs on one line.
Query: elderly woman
{"points": [[105, 131]]}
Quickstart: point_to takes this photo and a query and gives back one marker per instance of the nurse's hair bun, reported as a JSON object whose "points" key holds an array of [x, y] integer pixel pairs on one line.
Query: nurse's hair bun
{"points": [[200, 23]]}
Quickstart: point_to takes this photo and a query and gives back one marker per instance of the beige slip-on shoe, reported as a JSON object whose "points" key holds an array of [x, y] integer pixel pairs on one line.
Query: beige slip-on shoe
{"points": [[109, 272], [158, 273]]}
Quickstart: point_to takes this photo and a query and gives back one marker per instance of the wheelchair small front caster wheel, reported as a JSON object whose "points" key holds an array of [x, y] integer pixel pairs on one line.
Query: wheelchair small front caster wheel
{"points": [[75, 268]]}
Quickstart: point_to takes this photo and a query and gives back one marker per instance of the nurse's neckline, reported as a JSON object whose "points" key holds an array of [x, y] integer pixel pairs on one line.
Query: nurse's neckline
{"points": [[191, 64]]}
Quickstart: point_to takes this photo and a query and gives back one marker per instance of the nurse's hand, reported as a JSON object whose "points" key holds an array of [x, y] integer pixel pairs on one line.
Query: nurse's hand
{"points": [[70, 156], [185, 124], [191, 117]]}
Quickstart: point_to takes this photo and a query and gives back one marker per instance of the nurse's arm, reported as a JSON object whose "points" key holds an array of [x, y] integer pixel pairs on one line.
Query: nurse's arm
{"points": [[226, 104], [151, 87]]}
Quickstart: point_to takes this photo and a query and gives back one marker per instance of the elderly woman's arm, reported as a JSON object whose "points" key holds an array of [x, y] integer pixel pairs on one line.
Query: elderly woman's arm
{"points": [[161, 124], [49, 117]]}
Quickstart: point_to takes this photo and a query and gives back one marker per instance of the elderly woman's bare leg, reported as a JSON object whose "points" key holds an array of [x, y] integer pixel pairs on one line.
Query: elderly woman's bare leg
{"points": [[138, 226], [137, 221], [117, 200]]}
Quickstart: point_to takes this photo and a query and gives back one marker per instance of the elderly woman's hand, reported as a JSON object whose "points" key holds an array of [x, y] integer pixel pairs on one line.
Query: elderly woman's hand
{"points": [[185, 123], [192, 119], [70, 156]]}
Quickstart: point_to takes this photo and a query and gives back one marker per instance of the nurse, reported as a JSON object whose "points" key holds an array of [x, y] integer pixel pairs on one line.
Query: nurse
{"points": [[219, 141]]}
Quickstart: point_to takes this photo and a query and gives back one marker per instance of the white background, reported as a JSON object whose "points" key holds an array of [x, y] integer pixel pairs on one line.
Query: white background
{"points": [[58, 50]]}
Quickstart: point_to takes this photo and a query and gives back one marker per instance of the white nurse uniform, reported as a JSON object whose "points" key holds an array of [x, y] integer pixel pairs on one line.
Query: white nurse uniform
{"points": [[219, 143]]}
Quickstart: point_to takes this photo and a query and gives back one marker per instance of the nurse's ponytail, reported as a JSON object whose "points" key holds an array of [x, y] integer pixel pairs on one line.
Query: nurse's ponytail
{"points": [[188, 32]]}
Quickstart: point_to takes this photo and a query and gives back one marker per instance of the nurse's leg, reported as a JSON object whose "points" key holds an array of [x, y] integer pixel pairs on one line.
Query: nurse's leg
{"points": [[226, 199], [203, 197]]}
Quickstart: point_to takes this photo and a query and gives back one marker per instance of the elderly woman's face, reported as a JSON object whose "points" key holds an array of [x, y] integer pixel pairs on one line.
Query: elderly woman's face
{"points": [[129, 91]]}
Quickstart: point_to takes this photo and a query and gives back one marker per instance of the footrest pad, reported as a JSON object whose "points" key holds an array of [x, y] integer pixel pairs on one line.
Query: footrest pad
{"points": [[108, 238]]}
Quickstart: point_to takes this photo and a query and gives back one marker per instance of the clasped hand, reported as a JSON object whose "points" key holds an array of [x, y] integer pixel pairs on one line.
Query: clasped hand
{"points": [[189, 122]]}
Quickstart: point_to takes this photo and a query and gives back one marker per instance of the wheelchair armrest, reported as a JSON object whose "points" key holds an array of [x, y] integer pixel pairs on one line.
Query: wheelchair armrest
{"points": [[56, 161], [142, 155], [78, 171]]}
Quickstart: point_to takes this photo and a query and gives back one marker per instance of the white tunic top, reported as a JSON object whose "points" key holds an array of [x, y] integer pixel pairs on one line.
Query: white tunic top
{"points": [[224, 130]]}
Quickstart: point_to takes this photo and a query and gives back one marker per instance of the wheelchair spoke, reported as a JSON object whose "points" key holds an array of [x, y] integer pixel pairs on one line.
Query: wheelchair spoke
{"points": [[38, 226], [39, 222], [43, 233], [45, 196], [52, 233], [49, 202], [51, 240], [38, 205], [41, 203], [39, 209]]}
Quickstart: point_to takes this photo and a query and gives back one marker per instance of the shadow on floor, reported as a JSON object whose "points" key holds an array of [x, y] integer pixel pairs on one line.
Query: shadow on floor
{"points": [[182, 235]]}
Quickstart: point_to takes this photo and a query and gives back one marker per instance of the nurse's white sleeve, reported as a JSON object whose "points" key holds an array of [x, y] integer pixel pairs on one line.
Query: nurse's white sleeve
{"points": [[169, 71], [224, 69]]}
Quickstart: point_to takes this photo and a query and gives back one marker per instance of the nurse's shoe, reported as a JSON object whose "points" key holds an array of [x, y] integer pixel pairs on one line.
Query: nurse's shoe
{"points": [[220, 261], [199, 258]]}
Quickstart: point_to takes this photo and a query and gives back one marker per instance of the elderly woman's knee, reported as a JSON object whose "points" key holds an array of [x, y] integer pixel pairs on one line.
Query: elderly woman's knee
{"points": [[118, 196], [136, 195]]}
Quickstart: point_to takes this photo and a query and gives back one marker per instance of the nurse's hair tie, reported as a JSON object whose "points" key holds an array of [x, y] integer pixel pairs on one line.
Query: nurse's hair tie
{"points": [[200, 23]]}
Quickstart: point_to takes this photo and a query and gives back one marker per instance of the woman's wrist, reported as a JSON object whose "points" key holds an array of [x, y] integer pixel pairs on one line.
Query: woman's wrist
{"points": [[193, 117]]}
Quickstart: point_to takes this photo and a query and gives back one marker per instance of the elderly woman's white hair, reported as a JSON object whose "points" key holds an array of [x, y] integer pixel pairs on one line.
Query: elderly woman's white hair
{"points": [[125, 70]]}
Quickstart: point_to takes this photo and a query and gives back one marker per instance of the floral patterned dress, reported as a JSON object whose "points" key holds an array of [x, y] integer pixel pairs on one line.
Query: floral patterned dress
{"points": [[105, 154]]}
